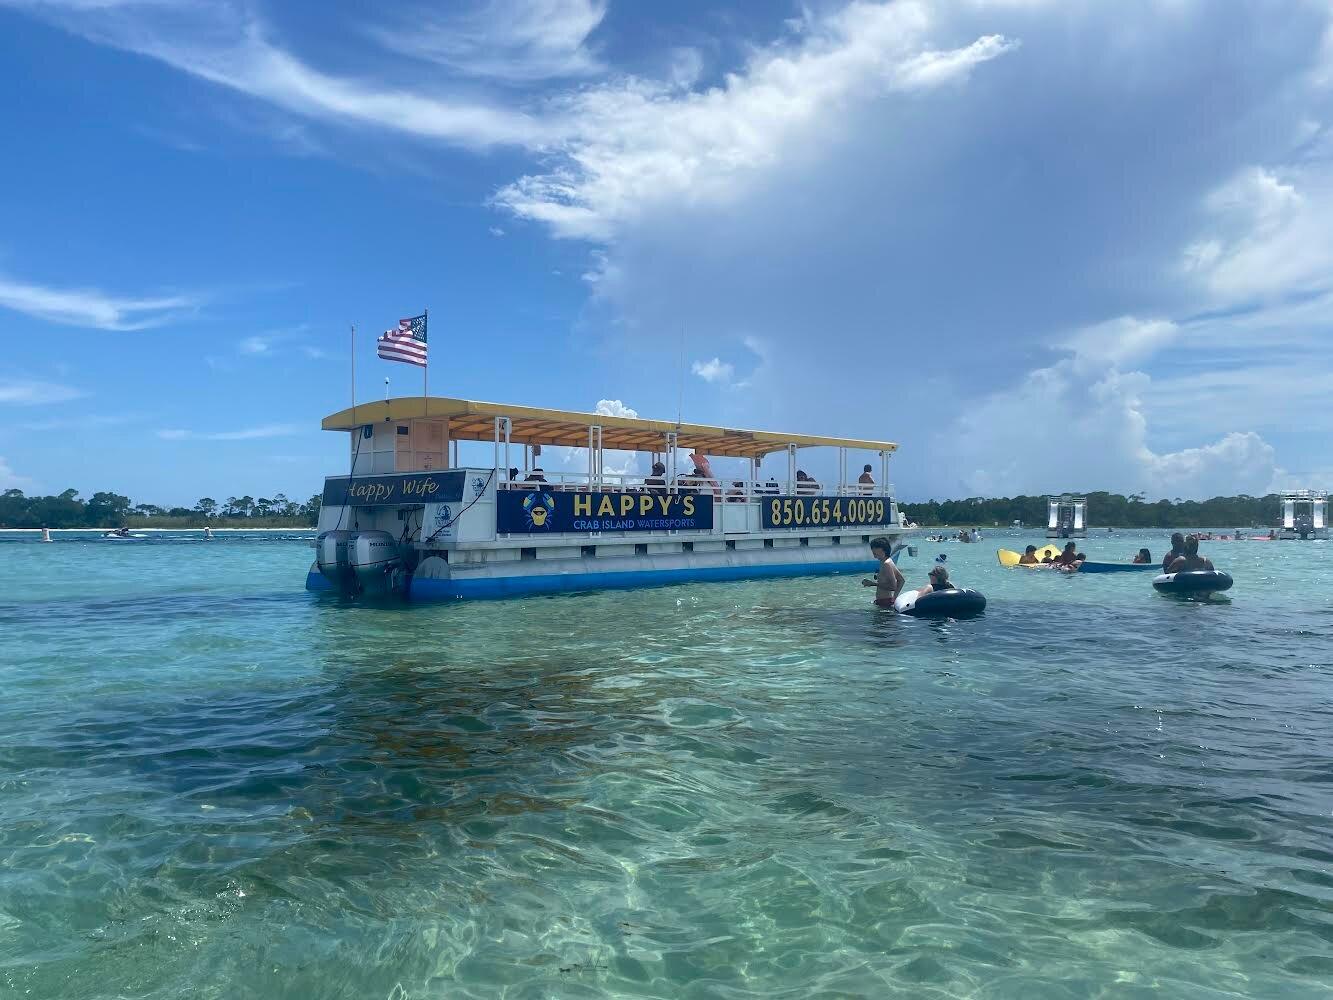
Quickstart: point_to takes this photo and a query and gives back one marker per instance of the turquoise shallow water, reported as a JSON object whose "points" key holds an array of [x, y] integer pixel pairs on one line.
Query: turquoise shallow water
{"points": [[213, 784]]}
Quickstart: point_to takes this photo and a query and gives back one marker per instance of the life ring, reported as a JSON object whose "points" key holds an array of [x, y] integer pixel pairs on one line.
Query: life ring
{"points": [[1194, 581], [941, 604]]}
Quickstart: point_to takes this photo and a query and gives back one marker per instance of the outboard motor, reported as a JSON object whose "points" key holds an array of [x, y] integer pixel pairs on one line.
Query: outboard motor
{"points": [[374, 558], [331, 555]]}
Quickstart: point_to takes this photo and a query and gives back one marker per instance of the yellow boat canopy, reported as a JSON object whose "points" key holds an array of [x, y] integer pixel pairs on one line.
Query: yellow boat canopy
{"points": [[470, 420]]}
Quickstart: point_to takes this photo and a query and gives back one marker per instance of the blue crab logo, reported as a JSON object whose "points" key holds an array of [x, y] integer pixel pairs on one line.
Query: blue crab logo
{"points": [[478, 486], [443, 515], [539, 507]]}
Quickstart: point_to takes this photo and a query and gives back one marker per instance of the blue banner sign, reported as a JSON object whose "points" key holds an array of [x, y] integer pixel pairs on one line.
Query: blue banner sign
{"points": [[411, 487], [539, 512], [825, 512]]}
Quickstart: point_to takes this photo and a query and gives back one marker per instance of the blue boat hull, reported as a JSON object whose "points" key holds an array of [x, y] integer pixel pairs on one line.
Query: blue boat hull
{"points": [[428, 589], [1111, 567]]}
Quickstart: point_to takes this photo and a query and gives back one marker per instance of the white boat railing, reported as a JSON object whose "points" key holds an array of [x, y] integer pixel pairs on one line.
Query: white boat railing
{"points": [[723, 489]]}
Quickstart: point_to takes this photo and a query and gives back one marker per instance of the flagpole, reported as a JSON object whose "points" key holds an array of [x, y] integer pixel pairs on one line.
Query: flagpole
{"points": [[353, 325], [425, 369]]}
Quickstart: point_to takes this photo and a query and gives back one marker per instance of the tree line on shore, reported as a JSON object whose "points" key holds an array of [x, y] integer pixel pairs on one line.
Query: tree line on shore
{"points": [[1105, 510], [111, 510]]}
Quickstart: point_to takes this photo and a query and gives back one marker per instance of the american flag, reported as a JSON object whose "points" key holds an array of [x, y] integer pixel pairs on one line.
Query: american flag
{"points": [[407, 343]]}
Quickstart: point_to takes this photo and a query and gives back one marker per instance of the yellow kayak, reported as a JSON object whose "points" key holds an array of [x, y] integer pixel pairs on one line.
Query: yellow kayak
{"points": [[1008, 557]]}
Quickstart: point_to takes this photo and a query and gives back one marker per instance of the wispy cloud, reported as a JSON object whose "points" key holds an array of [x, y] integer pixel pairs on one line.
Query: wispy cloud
{"points": [[227, 44], [84, 422], [34, 392], [91, 308], [516, 41], [246, 434], [255, 345]]}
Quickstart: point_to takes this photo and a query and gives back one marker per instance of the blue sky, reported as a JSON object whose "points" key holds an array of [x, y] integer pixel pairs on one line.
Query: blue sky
{"points": [[1044, 244]]}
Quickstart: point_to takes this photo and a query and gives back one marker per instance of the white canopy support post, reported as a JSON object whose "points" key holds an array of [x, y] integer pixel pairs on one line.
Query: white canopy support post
{"points": [[842, 471], [884, 472], [671, 445], [508, 428], [496, 456], [595, 454], [791, 470]]}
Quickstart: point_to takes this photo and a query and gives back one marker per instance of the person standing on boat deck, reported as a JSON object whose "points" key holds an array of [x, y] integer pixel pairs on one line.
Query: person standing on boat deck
{"points": [[1190, 561], [866, 481], [888, 581], [1177, 550], [656, 483]]}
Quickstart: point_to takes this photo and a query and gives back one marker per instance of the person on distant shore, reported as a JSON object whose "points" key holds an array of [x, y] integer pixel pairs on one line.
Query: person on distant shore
{"points": [[866, 481], [1029, 557], [1190, 561], [1177, 550], [1144, 556], [888, 581]]}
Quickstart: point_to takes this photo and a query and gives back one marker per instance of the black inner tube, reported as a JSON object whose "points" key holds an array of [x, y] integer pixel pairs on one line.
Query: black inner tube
{"points": [[1197, 581], [949, 604]]}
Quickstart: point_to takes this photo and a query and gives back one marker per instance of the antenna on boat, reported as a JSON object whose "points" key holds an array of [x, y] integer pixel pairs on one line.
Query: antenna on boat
{"points": [[353, 325], [680, 398]]}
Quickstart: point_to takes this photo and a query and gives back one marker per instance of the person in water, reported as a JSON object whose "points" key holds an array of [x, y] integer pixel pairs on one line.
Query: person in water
{"points": [[1047, 559], [1177, 550], [1190, 561], [1144, 556], [1069, 557], [939, 580], [888, 581], [1029, 557]]}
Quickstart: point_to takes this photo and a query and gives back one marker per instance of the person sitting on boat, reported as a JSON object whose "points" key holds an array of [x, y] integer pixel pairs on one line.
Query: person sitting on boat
{"points": [[535, 476], [1144, 556], [1068, 558], [771, 487], [888, 581], [1029, 557], [737, 492], [656, 483], [1190, 561], [1177, 550], [122, 532], [866, 481]]}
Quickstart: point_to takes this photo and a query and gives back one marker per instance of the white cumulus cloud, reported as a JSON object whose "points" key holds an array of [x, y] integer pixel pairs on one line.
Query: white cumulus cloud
{"points": [[714, 370]]}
